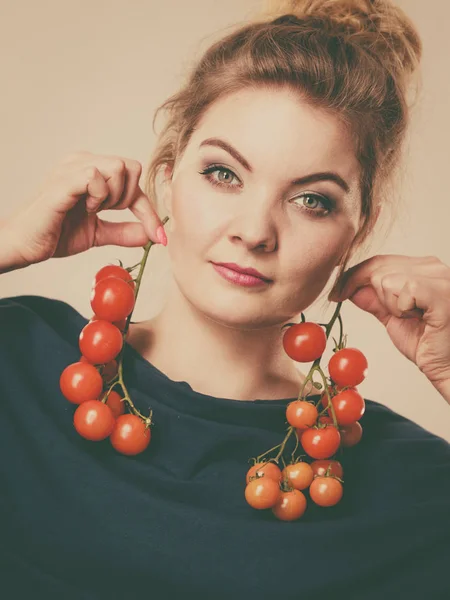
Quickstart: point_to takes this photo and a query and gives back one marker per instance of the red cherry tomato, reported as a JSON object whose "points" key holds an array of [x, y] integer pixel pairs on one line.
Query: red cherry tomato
{"points": [[320, 443], [326, 419], [115, 403], [120, 324], [80, 382], [262, 492], [114, 271], [130, 435], [290, 505], [299, 475], [349, 406], [110, 370], [304, 342], [112, 299], [326, 491], [348, 367], [93, 420], [320, 467], [100, 342], [351, 434], [266, 469], [301, 414], [324, 397]]}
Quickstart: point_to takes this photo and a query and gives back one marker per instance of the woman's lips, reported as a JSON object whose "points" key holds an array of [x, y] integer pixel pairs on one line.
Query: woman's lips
{"points": [[239, 278]]}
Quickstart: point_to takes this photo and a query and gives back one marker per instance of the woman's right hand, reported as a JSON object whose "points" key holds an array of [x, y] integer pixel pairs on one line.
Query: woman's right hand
{"points": [[62, 221]]}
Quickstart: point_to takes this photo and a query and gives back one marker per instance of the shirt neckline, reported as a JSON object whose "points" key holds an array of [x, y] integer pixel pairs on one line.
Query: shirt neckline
{"points": [[180, 396]]}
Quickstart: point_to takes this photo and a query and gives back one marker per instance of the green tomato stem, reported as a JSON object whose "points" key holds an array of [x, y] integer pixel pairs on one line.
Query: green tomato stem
{"points": [[118, 380]]}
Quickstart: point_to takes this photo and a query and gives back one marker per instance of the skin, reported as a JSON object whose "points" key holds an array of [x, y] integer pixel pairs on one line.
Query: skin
{"points": [[224, 339]]}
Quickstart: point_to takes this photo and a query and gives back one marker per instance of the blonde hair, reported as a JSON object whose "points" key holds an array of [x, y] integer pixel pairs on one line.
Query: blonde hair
{"points": [[355, 58]]}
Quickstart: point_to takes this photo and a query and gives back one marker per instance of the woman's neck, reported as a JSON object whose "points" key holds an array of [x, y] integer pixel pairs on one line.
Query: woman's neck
{"points": [[214, 359]]}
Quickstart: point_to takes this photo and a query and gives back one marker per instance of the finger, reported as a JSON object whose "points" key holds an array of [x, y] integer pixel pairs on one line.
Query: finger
{"points": [[370, 299], [131, 184], [97, 191], [395, 293], [128, 234], [129, 171], [145, 212], [114, 172], [430, 296], [361, 274]]}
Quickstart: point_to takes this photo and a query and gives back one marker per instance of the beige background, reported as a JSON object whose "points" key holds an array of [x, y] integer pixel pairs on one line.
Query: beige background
{"points": [[89, 75]]}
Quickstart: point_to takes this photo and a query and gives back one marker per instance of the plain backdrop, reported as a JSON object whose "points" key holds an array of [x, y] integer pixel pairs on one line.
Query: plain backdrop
{"points": [[89, 75]]}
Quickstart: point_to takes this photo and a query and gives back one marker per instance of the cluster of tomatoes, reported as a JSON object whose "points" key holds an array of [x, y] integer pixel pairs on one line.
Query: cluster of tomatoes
{"points": [[320, 434], [87, 383]]}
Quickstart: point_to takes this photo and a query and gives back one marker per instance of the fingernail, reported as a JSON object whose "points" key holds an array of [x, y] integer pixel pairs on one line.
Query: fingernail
{"points": [[161, 235]]}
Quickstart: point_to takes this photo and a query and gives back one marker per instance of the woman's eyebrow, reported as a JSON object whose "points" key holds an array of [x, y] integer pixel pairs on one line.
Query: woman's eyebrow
{"points": [[312, 178]]}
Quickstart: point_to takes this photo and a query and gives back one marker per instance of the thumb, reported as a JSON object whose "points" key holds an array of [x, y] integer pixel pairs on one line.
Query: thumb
{"points": [[128, 234]]}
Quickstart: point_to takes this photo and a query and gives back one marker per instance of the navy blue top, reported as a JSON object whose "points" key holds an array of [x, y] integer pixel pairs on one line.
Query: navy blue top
{"points": [[81, 521]]}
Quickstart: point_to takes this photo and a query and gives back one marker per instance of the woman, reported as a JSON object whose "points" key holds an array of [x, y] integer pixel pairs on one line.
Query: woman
{"points": [[305, 104]]}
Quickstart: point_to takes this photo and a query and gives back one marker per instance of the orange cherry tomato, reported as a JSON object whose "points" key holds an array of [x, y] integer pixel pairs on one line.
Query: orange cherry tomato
{"points": [[301, 414], [320, 467], [262, 493], [299, 475], [326, 491], [266, 469], [290, 505]]}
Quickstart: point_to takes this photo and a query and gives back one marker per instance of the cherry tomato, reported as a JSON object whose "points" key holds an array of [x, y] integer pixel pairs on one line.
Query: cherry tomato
{"points": [[326, 491], [115, 403], [93, 420], [320, 443], [349, 406], [322, 419], [262, 492], [119, 324], [348, 367], [100, 342], [304, 342], [110, 370], [112, 299], [80, 382], [114, 271], [267, 469], [326, 419], [320, 467], [130, 435], [290, 505], [301, 414], [351, 434], [324, 398], [299, 475]]}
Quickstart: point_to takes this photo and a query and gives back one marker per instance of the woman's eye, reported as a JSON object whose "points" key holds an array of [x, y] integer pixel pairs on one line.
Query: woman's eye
{"points": [[314, 199], [219, 175], [224, 176]]}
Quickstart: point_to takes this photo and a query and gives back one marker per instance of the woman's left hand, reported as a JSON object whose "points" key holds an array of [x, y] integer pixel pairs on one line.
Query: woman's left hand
{"points": [[411, 297]]}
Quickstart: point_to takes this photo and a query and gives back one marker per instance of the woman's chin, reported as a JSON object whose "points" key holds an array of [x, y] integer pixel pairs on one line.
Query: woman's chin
{"points": [[240, 315]]}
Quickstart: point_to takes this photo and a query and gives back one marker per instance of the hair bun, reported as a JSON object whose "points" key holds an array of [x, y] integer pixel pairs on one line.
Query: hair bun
{"points": [[378, 25]]}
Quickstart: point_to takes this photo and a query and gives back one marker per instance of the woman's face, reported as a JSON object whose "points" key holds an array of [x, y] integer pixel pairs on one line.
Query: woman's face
{"points": [[255, 214]]}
